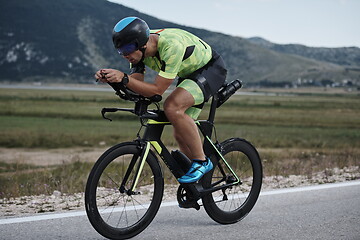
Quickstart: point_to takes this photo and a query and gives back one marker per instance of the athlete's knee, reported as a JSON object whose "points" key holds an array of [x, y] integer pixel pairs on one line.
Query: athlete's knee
{"points": [[172, 109], [177, 103]]}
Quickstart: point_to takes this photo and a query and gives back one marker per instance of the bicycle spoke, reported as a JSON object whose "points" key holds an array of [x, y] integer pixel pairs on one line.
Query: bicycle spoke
{"points": [[137, 215], [118, 185]]}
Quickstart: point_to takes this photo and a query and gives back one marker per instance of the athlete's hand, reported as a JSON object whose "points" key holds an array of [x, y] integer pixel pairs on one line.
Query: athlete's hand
{"points": [[109, 75], [101, 75], [113, 75]]}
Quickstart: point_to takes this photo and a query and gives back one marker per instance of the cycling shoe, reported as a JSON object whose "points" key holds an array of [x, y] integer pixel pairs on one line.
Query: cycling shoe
{"points": [[197, 170]]}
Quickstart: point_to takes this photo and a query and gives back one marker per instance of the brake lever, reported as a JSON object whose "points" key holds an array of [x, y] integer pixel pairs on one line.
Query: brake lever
{"points": [[105, 110]]}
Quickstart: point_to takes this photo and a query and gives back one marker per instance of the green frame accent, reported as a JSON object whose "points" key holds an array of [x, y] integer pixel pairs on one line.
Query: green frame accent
{"points": [[226, 163], [157, 146], [141, 166]]}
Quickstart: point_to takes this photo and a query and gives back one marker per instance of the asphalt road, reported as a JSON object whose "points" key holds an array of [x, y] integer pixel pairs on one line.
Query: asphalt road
{"points": [[329, 211]]}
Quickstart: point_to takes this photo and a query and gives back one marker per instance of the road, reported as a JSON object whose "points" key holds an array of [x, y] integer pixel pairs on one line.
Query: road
{"points": [[330, 211]]}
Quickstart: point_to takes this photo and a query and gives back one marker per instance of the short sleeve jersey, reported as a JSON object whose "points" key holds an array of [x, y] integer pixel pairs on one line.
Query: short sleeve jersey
{"points": [[180, 53]]}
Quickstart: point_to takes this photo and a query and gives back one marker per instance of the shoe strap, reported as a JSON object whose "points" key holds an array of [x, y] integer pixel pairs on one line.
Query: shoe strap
{"points": [[196, 169], [199, 160]]}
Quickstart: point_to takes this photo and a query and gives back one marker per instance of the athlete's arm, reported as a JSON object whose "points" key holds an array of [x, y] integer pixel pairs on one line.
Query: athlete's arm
{"points": [[137, 84], [137, 76], [150, 89]]}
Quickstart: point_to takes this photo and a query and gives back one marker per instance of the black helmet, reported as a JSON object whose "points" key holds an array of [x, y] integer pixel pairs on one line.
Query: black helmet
{"points": [[130, 34]]}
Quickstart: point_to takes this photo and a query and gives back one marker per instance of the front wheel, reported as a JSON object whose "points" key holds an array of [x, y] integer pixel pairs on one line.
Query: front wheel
{"points": [[234, 202], [113, 209]]}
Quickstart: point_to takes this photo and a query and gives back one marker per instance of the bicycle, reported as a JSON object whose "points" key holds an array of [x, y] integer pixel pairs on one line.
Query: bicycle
{"points": [[125, 186]]}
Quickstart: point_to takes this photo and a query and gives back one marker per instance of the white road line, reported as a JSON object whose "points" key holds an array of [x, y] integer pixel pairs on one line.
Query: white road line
{"points": [[42, 217], [310, 188], [175, 203]]}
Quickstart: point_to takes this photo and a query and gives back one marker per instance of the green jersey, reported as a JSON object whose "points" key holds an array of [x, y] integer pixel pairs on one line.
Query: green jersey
{"points": [[180, 53]]}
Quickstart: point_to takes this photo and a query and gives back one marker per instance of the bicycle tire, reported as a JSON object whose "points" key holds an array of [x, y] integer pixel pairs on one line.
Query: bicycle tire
{"points": [[117, 215], [240, 198]]}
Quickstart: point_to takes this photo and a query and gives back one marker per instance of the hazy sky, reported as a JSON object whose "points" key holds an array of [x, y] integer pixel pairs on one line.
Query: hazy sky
{"points": [[317, 23]]}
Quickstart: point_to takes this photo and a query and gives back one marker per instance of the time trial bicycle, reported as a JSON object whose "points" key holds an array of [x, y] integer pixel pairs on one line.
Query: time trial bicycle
{"points": [[125, 187]]}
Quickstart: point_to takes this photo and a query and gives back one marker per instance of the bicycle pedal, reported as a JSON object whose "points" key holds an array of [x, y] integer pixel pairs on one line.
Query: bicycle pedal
{"points": [[190, 205]]}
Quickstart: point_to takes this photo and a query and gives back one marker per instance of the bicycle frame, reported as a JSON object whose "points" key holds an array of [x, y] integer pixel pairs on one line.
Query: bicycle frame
{"points": [[156, 120], [152, 136]]}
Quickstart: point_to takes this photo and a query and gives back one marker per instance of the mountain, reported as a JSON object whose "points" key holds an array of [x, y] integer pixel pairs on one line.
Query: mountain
{"points": [[68, 40], [344, 56]]}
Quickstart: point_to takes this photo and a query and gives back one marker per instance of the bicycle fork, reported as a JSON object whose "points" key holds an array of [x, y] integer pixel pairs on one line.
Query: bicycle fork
{"points": [[143, 156]]}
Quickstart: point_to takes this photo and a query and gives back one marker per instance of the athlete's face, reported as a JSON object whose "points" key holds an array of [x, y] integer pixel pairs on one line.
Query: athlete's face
{"points": [[134, 57]]}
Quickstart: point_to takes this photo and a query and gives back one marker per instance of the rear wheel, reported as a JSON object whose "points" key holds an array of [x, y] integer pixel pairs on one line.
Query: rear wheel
{"points": [[113, 210], [233, 203]]}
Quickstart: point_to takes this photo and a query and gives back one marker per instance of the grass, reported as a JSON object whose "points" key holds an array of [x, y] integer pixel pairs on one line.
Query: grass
{"points": [[26, 180], [47, 132], [285, 162], [295, 134]]}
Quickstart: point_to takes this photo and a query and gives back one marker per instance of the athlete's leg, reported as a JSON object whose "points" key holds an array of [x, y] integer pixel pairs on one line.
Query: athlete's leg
{"points": [[185, 130]]}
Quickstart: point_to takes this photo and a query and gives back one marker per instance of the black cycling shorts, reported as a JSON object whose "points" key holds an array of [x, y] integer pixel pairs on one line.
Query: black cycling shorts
{"points": [[210, 77]]}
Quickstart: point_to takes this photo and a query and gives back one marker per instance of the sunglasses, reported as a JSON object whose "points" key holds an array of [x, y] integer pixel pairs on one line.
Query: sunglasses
{"points": [[127, 49]]}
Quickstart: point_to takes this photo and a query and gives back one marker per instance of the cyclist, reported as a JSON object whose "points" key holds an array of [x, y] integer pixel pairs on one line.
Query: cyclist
{"points": [[172, 53]]}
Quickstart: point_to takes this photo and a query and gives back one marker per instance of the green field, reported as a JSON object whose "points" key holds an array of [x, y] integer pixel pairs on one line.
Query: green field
{"points": [[295, 134]]}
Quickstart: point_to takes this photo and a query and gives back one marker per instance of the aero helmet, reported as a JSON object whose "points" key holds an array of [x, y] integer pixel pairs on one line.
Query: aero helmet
{"points": [[130, 34]]}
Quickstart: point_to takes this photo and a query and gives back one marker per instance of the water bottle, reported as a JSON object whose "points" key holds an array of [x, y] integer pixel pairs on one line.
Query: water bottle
{"points": [[184, 162], [228, 90]]}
